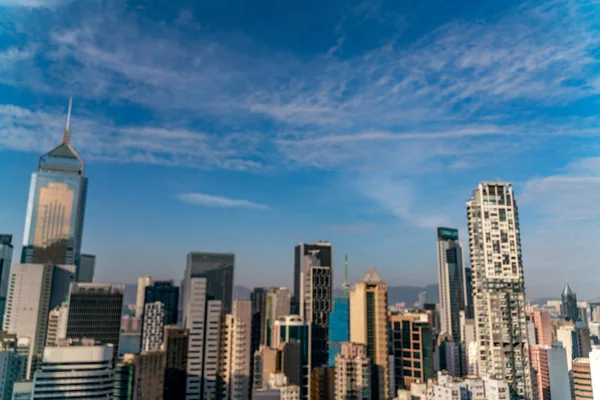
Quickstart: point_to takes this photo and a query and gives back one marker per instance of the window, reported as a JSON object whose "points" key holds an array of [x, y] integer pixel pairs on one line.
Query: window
{"points": [[502, 214]]}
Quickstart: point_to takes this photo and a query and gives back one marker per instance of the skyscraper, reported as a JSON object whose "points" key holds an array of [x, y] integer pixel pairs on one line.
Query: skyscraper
{"points": [[79, 368], [339, 319], [148, 374], [56, 206], [315, 297], [86, 269], [352, 373], [95, 313], [218, 269], [551, 376], [498, 285], [6, 249], [292, 336], [176, 341], [258, 298], [153, 326], [277, 304], [143, 282], [451, 275], [234, 354], [368, 326], [166, 293], [568, 306], [202, 318], [543, 327], [469, 313], [582, 379], [323, 251]]}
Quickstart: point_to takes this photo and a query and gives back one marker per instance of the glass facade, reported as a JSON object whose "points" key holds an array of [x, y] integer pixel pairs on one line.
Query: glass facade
{"points": [[55, 210], [217, 268], [339, 327], [166, 293], [6, 249]]}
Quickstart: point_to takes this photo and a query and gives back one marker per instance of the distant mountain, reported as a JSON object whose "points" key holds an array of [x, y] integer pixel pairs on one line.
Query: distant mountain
{"points": [[396, 294]]}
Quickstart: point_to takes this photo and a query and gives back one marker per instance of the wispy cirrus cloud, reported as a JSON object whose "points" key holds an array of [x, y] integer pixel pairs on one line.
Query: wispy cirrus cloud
{"points": [[34, 3], [208, 200]]}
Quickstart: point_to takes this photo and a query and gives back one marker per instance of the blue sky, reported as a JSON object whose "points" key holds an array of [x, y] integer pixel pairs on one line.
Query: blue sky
{"points": [[250, 126]]}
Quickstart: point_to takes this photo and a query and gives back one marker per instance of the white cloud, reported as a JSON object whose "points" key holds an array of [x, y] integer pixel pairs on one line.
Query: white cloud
{"points": [[34, 3], [208, 200]]}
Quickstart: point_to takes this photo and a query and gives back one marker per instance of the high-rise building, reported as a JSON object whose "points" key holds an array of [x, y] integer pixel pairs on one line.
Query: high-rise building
{"points": [[498, 286], [123, 381], [75, 368], [549, 371], [339, 320], [469, 339], [277, 304], [278, 388], [234, 354], [218, 269], [95, 313], [451, 275], [451, 356], [323, 251], [412, 348], [87, 267], [153, 326], [568, 306], [469, 312], [368, 326], [202, 318], [267, 361], [6, 250], [27, 307], [143, 282], [176, 342], [575, 340], [353, 373], [57, 324], [595, 371], [12, 365], [166, 293], [292, 336], [322, 383], [582, 379], [258, 298], [56, 206], [543, 327], [315, 296], [148, 374]]}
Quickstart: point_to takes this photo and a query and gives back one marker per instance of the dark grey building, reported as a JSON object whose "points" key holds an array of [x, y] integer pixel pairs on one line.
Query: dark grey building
{"points": [[95, 313], [217, 268], [176, 346], [469, 312], [568, 308], [314, 295], [166, 293], [258, 298]]}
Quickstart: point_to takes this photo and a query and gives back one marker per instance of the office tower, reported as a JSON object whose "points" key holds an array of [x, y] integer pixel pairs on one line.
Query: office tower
{"points": [[75, 368], [11, 365], [582, 315], [153, 326], [582, 379], [595, 371], [27, 307], [322, 383], [353, 373], [57, 324], [166, 293], [277, 304], [6, 250], [56, 206], [339, 320], [22, 390], [202, 317], [498, 285], [148, 374], [595, 310], [266, 361], [469, 293], [234, 354], [278, 388], [575, 340], [95, 313], [292, 336], [550, 372], [314, 294], [87, 267], [451, 275], [543, 327], [568, 306], [218, 269], [368, 326], [451, 356], [258, 298], [143, 282], [123, 381], [176, 342], [412, 347]]}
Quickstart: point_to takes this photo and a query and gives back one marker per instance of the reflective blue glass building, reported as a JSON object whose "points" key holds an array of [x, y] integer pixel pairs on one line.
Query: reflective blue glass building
{"points": [[339, 327], [56, 207]]}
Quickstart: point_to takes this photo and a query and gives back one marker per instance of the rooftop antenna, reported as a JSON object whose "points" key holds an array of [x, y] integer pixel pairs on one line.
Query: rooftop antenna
{"points": [[67, 133], [346, 286]]}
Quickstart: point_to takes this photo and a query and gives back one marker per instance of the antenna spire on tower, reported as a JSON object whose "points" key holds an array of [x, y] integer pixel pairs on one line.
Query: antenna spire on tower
{"points": [[67, 132]]}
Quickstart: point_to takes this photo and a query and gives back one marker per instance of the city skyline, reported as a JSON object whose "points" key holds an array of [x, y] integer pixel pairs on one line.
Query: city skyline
{"points": [[310, 152]]}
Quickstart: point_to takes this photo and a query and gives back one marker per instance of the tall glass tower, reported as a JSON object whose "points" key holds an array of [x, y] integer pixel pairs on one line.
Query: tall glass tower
{"points": [[56, 207], [339, 320]]}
